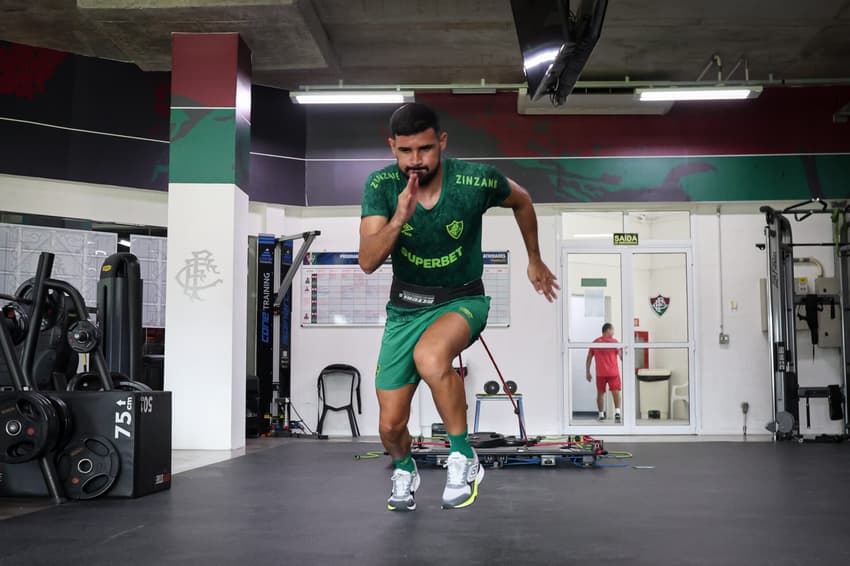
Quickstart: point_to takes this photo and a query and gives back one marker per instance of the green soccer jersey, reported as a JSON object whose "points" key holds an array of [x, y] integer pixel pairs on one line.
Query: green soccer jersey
{"points": [[441, 246]]}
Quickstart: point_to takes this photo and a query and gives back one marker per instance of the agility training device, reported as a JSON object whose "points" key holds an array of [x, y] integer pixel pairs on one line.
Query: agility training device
{"points": [[497, 450]]}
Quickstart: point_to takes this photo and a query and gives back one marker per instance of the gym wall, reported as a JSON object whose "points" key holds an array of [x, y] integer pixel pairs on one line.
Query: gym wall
{"points": [[755, 147], [781, 146]]}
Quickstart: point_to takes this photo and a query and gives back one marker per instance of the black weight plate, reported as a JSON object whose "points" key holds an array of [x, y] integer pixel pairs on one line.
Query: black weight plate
{"points": [[66, 423], [511, 386], [54, 423], [28, 426], [514, 441], [130, 385], [90, 381], [17, 321], [53, 419], [486, 440], [88, 467], [83, 336], [518, 441], [53, 310], [491, 388]]}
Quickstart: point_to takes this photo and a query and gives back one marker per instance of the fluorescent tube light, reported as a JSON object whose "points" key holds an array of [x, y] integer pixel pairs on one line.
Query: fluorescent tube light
{"points": [[593, 236], [124, 242], [352, 97], [697, 93], [474, 90]]}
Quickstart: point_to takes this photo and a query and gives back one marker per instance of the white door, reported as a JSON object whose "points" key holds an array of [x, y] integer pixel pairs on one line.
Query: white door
{"points": [[646, 293]]}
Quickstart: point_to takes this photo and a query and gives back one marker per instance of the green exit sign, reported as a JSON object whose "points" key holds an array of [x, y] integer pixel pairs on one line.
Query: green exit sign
{"points": [[626, 239]]}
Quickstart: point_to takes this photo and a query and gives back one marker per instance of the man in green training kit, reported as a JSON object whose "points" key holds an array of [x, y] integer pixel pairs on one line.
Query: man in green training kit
{"points": [[426, 211]]}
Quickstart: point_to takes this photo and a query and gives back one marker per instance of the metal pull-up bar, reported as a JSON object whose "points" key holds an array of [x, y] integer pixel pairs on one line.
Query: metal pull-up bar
{"points": [[296, 261]]}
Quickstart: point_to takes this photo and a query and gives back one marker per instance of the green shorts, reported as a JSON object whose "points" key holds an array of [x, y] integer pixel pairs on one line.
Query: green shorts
{"points": [[403, 329]]}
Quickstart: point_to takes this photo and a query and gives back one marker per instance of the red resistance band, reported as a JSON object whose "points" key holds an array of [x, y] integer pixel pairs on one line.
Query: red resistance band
{"points": [[585, 439]]}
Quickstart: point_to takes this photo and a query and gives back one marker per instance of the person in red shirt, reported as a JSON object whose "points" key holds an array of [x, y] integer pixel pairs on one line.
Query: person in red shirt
{"points": [[607, 371]]}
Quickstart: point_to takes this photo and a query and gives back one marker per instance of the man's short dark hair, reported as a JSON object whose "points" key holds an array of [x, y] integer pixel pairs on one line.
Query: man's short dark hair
{"points": [[412, 119], [606, 326]]}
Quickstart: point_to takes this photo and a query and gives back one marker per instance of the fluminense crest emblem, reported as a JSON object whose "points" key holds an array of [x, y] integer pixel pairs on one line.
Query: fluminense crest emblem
{"points": [[455, 228], [659, 304], [197, 274]]}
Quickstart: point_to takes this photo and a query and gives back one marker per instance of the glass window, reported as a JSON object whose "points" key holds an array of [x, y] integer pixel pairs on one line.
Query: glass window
{"points": [[659, 225], [662, 387], [594, 294], [660, 287], [584, 226]]}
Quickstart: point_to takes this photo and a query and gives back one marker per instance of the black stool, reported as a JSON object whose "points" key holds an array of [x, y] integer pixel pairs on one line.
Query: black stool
{"points": [[340, 371]]}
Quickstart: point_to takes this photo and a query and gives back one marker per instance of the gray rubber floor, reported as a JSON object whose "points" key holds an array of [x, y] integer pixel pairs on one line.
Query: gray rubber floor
{"points": [[310, 502]]}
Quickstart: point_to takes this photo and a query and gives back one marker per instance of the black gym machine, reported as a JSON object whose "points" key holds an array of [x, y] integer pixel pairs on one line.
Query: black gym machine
{"points": [[100, 432], [269, 406], [783, 305]]}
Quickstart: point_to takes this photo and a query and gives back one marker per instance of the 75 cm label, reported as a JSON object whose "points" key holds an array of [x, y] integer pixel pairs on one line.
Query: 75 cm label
{"points": [[123, 418]]}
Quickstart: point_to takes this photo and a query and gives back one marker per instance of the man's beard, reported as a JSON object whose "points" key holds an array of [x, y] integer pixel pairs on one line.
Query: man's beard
{"points": [[425, 176]]}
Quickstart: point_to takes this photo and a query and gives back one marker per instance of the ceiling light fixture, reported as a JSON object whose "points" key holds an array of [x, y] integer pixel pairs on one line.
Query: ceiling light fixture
{"points": [[593, 236], [351, 96], [697, 93]]}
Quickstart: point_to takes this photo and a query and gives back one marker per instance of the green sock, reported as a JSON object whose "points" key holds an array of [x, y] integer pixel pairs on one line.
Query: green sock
{"points": [[405, 463], [460, 443]]}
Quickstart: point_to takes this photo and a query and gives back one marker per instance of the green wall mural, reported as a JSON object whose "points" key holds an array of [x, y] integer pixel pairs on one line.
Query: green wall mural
{"points": [[717, 178]]}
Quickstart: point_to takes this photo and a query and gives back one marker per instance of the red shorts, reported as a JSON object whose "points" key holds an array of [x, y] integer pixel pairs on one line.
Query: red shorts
{"points": [[613, 381]]}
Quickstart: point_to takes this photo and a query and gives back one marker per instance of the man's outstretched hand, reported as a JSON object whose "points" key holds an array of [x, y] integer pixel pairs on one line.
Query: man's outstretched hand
{"points": [[544, 282]]}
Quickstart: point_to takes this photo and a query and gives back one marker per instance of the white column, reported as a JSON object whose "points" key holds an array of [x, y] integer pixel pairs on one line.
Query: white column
{"points": [[206, 303]]}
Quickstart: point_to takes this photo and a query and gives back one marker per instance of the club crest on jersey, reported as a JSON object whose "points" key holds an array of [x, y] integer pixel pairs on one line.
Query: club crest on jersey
{"points": [[455, 228]]}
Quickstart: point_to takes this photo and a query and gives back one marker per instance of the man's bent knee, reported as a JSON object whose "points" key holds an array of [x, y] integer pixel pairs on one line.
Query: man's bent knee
{"points": [[430, 364], [391, 428]]}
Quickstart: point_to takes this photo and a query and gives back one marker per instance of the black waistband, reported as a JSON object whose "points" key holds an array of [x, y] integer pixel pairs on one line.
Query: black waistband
{"points": [[410, 296]]}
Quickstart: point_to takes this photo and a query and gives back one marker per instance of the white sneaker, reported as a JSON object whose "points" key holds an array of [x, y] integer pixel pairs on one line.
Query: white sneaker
{"points": [[464, 476], [405, 485]]}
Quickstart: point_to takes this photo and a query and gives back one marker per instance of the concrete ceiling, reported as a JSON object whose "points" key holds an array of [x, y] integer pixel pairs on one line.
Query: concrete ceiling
{"points": [[386, 42]]}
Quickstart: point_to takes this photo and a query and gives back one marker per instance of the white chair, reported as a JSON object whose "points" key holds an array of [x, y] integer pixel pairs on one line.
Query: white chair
{"points": [[679, 393]]}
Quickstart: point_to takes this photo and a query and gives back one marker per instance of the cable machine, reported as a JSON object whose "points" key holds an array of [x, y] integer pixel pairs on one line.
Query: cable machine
{"points": [[825, 308], [277, 264]]}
